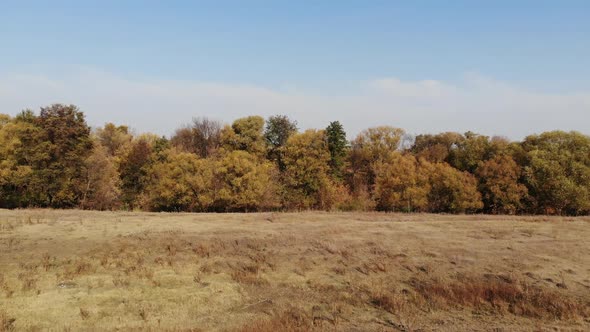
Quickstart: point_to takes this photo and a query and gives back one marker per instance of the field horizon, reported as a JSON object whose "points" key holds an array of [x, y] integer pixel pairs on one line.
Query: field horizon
{"points": [[75, 270]]}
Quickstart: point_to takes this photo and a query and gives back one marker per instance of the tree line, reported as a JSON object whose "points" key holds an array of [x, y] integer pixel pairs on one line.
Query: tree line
{"points": [[54, 159]]}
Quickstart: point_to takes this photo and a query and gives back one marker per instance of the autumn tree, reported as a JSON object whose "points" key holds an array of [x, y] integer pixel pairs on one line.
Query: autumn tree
{"points": [[15, 171], [436, 148], [451, 190], [245, 134], [369, 147], [402, 183], [277, 131], [499, 145], [133, 170], [102, 188], [52, 160], [180, 181], [307, 178], [115, 139], [244, 182], [4, 120], [238, 181], [201, 137], [499, 185]]}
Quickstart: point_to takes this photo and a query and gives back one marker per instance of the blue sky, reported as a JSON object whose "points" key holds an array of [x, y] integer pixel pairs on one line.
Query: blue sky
{"points": [[318, 53]]}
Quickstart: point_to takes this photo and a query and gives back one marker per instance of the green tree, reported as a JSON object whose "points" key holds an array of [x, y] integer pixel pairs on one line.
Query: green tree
{"points": [[278, 130], [338, 146], [557, 172], [469, 152], [58, 170]]}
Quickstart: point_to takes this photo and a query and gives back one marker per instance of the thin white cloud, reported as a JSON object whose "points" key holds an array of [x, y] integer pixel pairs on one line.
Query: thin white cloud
{"points": [[393, 87], [476, 103]]}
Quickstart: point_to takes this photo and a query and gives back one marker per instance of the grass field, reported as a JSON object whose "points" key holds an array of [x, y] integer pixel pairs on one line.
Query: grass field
{"points": [[77, 270]]}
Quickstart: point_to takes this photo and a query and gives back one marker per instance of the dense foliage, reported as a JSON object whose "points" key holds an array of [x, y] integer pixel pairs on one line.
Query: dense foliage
{"points": [[54, 159]]}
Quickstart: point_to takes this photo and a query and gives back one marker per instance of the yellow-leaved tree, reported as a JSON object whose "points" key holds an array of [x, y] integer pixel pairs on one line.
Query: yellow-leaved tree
{"points": [[307, 180], [498, 183], [14, 172], [244, 182], [402, 183], [371, 146], [451, 190], [180, 182], [245, 134], [101, 190]]}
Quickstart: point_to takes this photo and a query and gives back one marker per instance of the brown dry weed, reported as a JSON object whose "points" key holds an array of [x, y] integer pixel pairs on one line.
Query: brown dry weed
{"points": [[80, 270]]}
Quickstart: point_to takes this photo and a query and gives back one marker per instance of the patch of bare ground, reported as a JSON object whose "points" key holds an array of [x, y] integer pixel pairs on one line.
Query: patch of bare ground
{"points": [[79, 270]]}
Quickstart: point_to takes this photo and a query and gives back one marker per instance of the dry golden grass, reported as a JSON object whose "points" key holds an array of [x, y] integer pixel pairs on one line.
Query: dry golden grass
{"points": [[97, 271]]}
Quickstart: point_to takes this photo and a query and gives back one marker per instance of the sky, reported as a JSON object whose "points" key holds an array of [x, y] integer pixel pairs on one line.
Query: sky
{"points": [[508, 68]]}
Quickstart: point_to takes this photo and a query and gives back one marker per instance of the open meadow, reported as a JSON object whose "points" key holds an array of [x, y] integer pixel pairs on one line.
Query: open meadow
{"points": [[99, 271]]}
